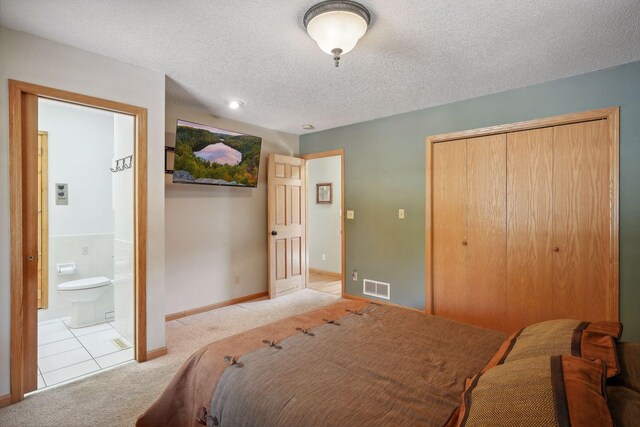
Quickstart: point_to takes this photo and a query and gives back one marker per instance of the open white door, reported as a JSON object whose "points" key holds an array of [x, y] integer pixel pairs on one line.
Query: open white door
{"points": [[286, 220]]}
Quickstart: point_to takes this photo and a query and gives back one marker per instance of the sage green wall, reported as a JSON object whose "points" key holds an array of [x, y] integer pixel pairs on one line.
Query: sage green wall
{"points": [[385, 171]]}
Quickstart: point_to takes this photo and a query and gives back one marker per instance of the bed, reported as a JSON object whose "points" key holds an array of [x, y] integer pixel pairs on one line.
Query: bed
{"points": [[352, 363]]}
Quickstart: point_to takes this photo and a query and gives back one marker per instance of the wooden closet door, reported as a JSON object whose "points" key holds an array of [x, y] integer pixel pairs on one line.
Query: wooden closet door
{"points": [[581, 221], [449, 198], [529, 219], [486, 242]]}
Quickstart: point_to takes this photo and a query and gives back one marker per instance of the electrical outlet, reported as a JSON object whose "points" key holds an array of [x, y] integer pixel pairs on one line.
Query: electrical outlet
{"points": [[351, 215], [354, 275], [236, 280], [401, 213], [324, 257], [85, 250]]}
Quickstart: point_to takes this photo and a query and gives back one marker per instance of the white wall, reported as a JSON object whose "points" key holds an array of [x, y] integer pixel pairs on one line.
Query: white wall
{"points": [[37, 60], [80, 150], [123, 259], [216, 237], [324, 221]]}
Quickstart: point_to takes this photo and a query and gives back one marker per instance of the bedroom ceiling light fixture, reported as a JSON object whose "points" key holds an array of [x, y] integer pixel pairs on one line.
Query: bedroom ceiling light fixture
{"points": [[308, 127], [336, 26], [234, 104]]}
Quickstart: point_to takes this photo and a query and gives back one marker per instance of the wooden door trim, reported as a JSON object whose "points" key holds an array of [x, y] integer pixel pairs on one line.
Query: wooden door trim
{"points": [[320, 155], [614, 211], [612, 114], [44, 215], [17, 250], [565, 119]]}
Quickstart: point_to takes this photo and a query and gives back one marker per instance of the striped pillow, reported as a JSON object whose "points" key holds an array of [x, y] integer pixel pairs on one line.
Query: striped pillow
{"points": [[591, 341], [537, 391]]}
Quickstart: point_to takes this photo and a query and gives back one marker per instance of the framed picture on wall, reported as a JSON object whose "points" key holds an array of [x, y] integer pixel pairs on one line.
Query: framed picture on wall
{"points": [[323, 193]]}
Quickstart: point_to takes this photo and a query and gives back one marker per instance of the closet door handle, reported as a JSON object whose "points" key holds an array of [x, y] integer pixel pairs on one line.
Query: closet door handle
{"points": [[464, 243], [556, 249]]}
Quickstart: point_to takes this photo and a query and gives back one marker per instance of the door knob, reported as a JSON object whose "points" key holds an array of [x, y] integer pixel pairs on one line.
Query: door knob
{"points": [[556, 249], [464, 243], [274, 233]]}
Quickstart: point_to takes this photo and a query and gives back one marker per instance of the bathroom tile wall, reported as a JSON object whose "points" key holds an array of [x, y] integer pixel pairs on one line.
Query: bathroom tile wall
{"points": [[123, 288], [93, 255]]}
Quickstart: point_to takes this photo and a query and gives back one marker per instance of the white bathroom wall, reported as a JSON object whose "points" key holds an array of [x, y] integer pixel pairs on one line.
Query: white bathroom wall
{"points": [[323, 220], [123, 279], [79, 151]]}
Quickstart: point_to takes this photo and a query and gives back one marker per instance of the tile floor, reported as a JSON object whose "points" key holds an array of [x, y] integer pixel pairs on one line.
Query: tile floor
{"points": [[66, 353]]}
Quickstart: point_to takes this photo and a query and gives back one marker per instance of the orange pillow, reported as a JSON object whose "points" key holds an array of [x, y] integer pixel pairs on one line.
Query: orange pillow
{"points": [[588, 340], [541, 391]]}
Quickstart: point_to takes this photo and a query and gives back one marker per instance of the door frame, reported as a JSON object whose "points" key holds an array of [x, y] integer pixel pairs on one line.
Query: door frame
{"points": [[612, 114], [22, 325], [43, 217], [320, 155]]}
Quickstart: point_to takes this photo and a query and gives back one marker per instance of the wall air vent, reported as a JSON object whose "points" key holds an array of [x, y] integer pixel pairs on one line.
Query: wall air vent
{"points": [[376, 289]]}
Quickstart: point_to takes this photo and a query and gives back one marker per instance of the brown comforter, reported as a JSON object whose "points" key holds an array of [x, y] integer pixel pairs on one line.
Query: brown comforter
{"points": [[384, 365], [391, 366], [188, 396]]}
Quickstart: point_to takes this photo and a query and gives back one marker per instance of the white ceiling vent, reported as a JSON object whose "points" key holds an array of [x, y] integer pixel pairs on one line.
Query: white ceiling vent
{"points": [[376, 289]]}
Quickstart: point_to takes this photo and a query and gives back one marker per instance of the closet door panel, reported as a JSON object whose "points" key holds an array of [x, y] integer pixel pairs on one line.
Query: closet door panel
{"points": [[449, 228], [486, 231], [529, 217], [581, 226]]}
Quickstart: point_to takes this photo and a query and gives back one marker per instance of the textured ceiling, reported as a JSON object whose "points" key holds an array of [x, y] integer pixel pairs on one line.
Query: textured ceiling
{"points": [[417, 53]]}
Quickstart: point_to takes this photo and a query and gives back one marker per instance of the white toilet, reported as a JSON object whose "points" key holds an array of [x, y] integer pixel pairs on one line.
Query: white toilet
{"points": [[84, 295]]}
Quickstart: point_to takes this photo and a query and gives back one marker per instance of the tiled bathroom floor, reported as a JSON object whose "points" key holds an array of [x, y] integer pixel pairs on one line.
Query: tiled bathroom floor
{"points": [[65, 353]]}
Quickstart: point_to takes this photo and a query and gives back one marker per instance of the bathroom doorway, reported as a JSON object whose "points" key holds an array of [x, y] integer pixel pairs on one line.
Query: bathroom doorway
{"points": [[78, 192]]}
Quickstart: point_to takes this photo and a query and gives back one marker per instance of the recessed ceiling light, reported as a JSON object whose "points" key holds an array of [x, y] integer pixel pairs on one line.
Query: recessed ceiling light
{"points": [[234, 104], [308, 127]]}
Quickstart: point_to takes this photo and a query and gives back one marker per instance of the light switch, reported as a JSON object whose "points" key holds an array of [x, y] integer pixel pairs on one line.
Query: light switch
{"points": [[351, 215], [401, 213]]}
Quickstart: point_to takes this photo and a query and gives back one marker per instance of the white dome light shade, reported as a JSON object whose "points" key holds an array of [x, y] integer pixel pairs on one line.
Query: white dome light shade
{"points": [[337, 30], [337, 25]]}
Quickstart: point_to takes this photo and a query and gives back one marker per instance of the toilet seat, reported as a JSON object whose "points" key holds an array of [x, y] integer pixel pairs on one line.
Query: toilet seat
{"points": [[88, 283]]}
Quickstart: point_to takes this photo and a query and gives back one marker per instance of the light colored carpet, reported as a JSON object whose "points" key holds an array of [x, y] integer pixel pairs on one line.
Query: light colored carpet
{"points": [[116, 397]]}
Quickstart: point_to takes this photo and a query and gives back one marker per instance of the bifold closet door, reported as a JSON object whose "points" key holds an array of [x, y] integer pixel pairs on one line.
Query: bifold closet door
{"points": [[581, 222], [529, 217], [449, 220], [486, 240], [469, 230]]}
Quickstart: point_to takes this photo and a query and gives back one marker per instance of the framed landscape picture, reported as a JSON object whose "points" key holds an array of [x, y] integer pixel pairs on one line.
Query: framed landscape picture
{"points": [[323, 193]]}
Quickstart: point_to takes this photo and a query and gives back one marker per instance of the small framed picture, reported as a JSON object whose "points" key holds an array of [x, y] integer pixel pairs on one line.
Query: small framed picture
{"points": [[323, 193]]}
